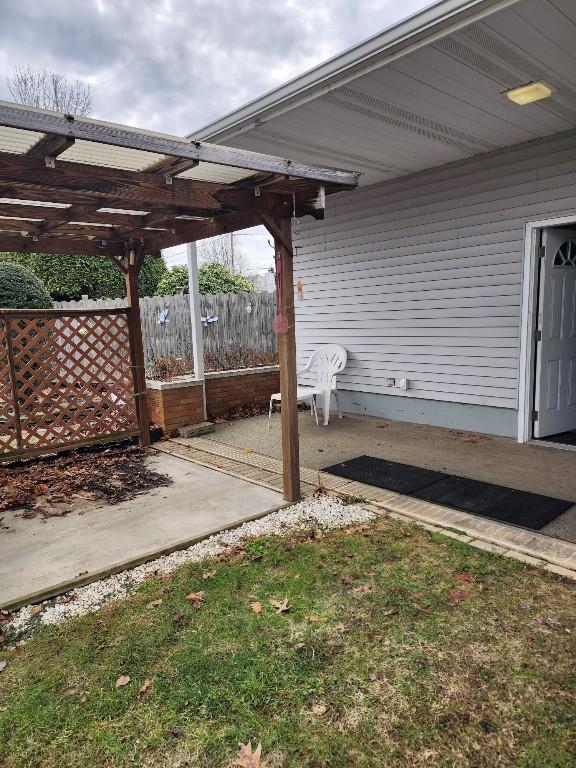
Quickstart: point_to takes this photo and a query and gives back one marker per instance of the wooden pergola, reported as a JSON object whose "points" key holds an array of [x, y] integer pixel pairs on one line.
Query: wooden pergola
{"points": [[84, 187]]}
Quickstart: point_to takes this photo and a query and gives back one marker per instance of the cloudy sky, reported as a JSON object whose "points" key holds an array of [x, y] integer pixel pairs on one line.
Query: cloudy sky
{"points": [[175, 65]]}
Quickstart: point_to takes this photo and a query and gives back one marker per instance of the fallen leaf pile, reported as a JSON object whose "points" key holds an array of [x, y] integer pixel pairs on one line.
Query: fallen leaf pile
{"points": [[46, 488], [244, 412]]}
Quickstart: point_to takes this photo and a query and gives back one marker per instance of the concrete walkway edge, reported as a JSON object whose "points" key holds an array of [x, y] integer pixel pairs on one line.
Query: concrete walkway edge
{"points": [[89, 577]]}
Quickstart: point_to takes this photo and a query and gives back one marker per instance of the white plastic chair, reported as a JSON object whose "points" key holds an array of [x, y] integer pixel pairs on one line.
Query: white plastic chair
{"points": [[324, 363]]}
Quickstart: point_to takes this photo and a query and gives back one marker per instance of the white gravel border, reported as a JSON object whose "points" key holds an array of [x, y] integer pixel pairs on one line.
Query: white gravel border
{"points": [[317, 513]]}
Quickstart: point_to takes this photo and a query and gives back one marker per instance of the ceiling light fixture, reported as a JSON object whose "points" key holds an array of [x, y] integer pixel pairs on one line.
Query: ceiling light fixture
{"points": [[526, 94]]}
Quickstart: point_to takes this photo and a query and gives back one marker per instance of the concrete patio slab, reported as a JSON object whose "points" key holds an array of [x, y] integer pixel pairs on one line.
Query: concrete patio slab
{"points": [[40, 559], [509, 540], [499, 460]]}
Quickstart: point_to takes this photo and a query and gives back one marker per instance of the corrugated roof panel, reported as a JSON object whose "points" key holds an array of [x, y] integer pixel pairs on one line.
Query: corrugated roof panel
{"points": [[16, 141], [18, 201], [123, 210], [109, 156], [223, 174], [19, 218]]}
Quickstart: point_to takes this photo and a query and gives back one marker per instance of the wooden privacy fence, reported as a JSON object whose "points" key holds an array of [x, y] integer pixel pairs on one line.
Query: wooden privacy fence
{"points": [[66, 379], [229, 320]]}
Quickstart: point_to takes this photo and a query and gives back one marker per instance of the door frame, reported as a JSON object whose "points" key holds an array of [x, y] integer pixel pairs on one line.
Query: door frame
{"points": [[530, 289]]}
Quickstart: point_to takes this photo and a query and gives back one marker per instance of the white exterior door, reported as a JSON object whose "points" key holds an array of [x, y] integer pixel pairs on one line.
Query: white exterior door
{"points": [[555, 392]]}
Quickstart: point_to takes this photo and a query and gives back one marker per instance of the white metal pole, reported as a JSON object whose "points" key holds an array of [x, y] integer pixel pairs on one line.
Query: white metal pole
{"points": [[195, 315]]}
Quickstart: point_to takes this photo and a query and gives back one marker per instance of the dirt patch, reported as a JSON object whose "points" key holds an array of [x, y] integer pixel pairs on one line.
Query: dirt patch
{"points": [[49, 488]]}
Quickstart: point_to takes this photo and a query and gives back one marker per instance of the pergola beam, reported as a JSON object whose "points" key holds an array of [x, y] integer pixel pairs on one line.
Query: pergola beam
{"points": [[50, 146], [71, 245], [109, 183], [170, 166], [15, 116], [200, 230], [93, 214], [88, 187]]}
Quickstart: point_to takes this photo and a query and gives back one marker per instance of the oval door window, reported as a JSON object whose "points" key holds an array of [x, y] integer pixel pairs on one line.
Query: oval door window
{"points": [[566, 254]]}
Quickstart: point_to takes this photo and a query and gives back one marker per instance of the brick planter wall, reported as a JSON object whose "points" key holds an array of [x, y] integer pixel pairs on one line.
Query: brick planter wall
{"points": [[175, 404], [178, 403], [229, 390]]}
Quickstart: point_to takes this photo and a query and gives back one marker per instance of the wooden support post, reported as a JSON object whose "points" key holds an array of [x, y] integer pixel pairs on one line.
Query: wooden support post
{"points": [[287, 352], [133, 263]]}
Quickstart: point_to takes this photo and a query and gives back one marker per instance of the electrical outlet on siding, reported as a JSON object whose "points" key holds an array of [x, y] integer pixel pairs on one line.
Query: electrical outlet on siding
{"points": [[397, 383]]}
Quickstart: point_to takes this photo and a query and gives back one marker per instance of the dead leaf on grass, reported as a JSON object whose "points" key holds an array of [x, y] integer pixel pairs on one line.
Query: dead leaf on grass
{"points": [[319, 709], [256, 606], [122, 681], [246, 758], [281, 606], [463, 578], [457, 595], [196, 598], [363, 588], [208, 574], [312, 619], [357, 528], [144, 691], [155, 603]]}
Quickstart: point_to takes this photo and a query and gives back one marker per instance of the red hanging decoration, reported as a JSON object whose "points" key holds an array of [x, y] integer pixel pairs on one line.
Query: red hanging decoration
{"points": [[280, 324]]}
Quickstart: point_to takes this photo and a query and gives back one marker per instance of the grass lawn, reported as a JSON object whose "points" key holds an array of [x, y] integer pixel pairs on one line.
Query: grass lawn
{"points": [[400, 648]]}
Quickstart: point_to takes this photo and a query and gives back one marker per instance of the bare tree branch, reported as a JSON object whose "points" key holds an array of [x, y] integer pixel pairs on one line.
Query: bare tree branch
{"points": [[50, 90], [225, 250]]}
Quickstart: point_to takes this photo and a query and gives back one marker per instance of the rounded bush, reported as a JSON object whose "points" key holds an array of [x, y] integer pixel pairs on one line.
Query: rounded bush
{"points": [[21, 289]]}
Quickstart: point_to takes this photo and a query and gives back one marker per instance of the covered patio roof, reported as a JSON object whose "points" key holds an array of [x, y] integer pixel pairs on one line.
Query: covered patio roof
{"points": [[429, 91], [84, 187]]}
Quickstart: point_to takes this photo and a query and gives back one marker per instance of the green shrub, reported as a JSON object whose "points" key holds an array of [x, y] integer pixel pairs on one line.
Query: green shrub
{"points": [[68, 278], [212, 278], [173, 281], [21, 289]]}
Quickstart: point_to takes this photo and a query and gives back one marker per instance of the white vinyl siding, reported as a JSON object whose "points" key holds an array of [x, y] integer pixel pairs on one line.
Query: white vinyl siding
{"points": [[421, 277]]}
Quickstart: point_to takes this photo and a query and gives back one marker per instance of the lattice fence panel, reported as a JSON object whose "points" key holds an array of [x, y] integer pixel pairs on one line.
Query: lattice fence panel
{"points": [[73, 378], [8, 440]]}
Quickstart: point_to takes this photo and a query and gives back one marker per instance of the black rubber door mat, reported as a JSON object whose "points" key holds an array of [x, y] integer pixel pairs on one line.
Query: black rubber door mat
{"points": [[507, 505]]}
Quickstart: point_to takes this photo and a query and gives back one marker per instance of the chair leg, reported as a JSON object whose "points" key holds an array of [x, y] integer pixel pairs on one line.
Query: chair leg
{"points": [[326, 407], [269, 413], [337, 403], [315, 409]]}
